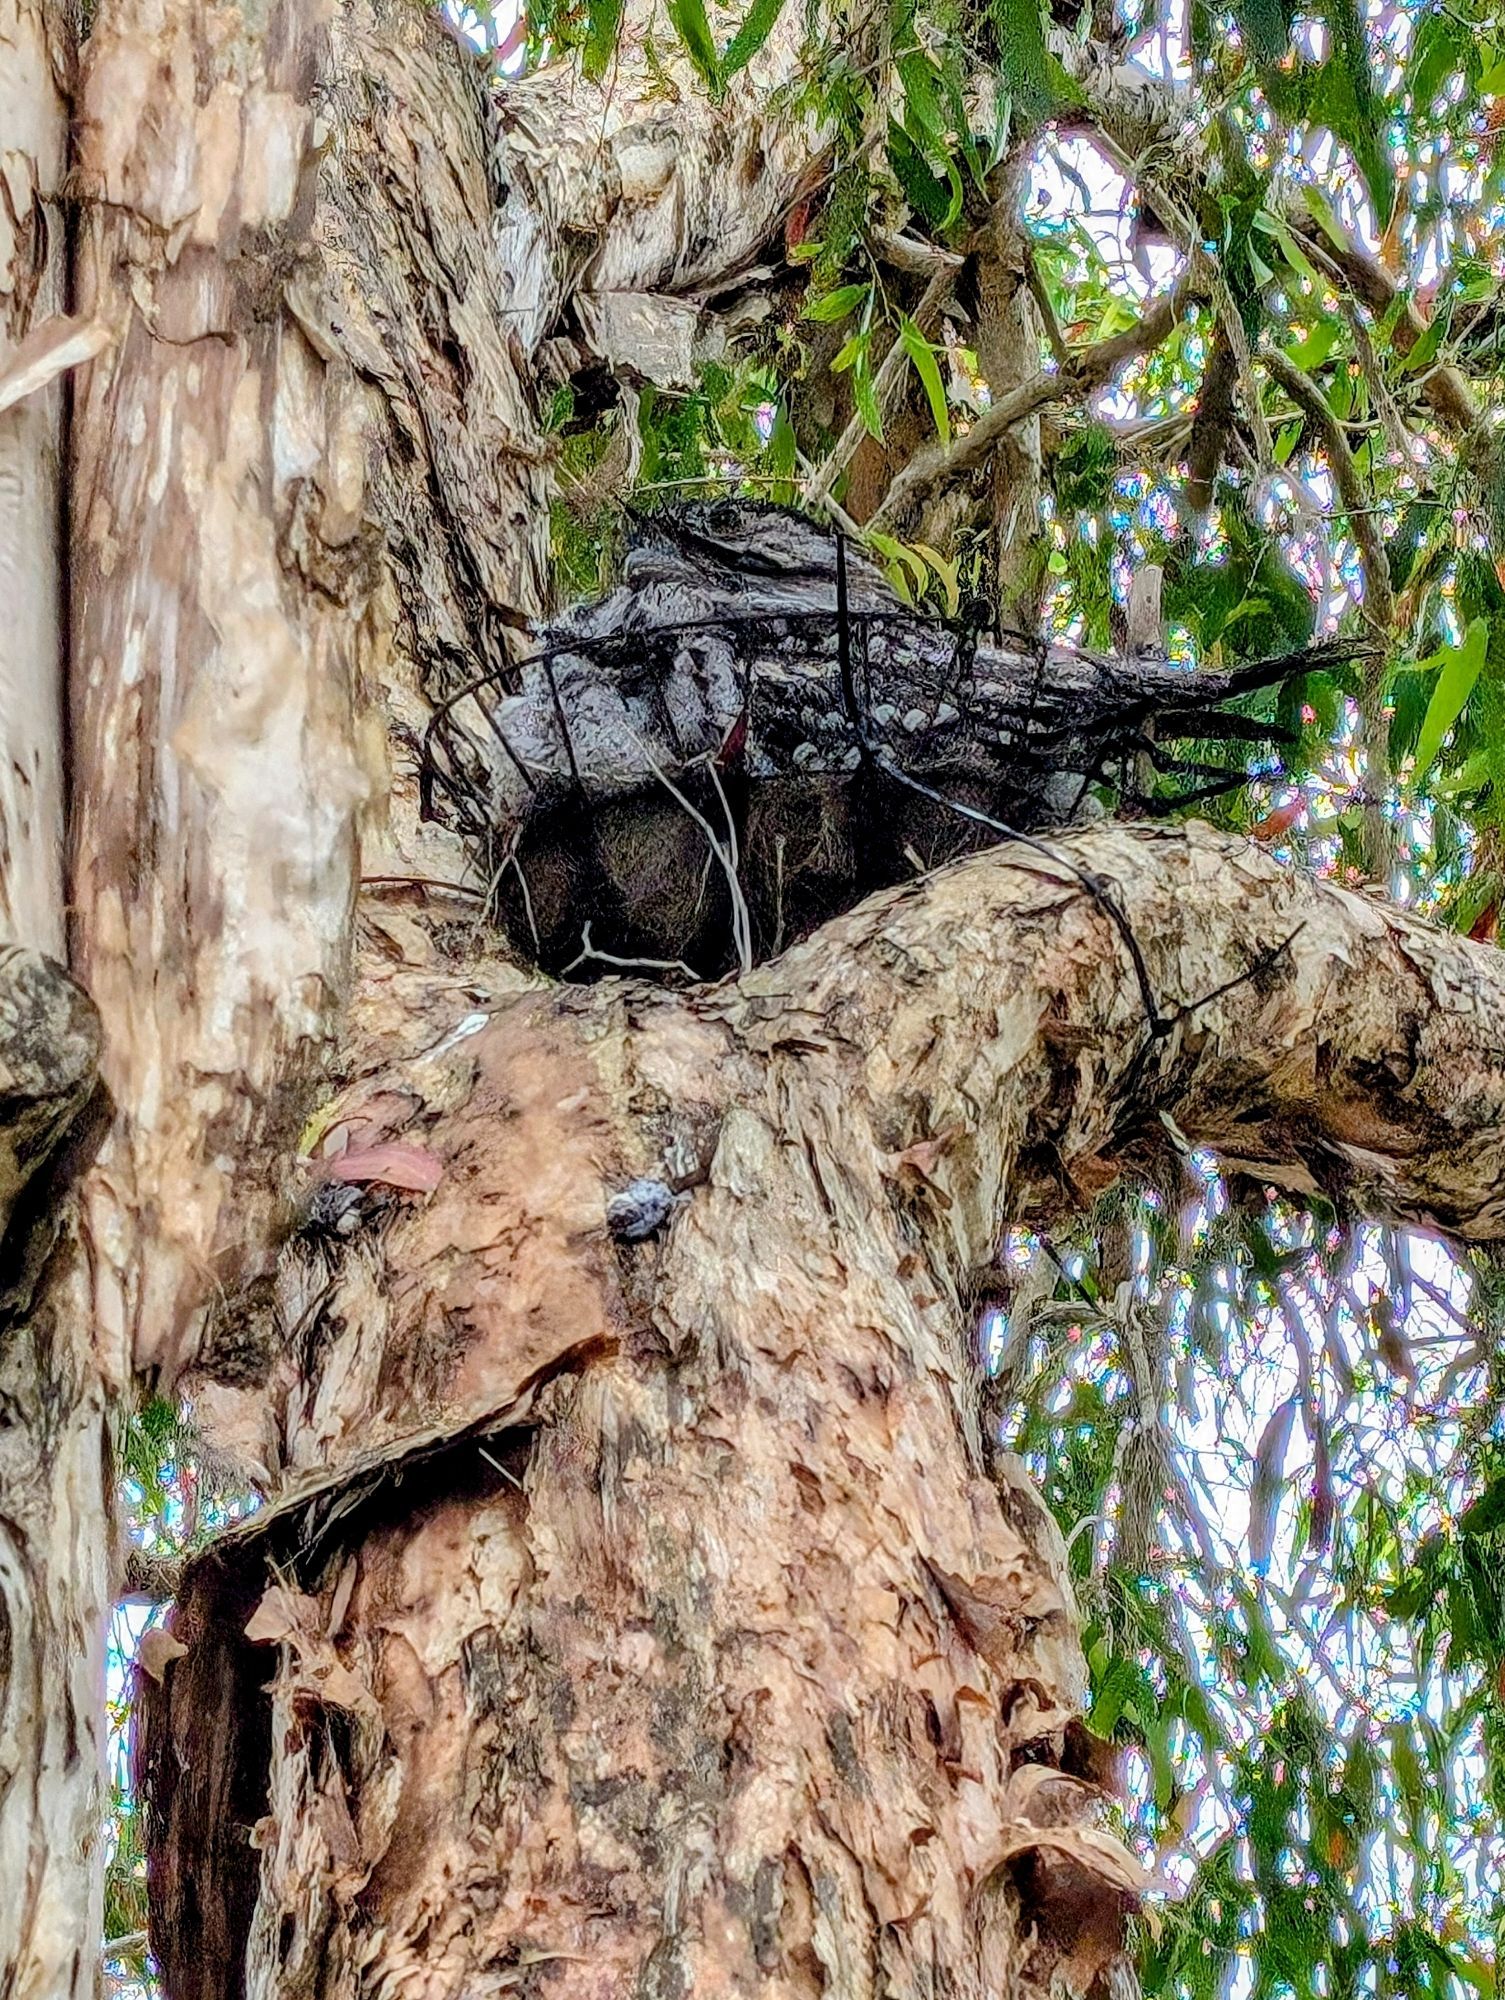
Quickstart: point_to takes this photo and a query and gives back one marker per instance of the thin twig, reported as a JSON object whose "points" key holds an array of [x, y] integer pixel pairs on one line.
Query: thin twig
{"points": [[422, 882], [1379, 600], [1046, 309], [589, 953], [741, 920]]}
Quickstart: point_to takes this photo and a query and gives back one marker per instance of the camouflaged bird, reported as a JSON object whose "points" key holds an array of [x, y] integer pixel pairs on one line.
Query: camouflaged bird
{"points": [[752, 730]]}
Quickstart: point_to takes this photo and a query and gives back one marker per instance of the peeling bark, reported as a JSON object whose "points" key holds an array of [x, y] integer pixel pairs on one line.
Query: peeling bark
{"points": [[54, 1461], [649, 1618], [54, 1496], [1008, 338], [638, 1610], [221, 573], [330, 260]]}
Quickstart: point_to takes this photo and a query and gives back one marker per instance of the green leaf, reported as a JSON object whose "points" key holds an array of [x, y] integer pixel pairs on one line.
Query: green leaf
{"points": [[835, 305], [949, 573], [922, 354], [848, 352], [1458, 667], [1485, 1513], [1344, 98], [1322, 214], [1279, 231], [694, 30], [782, 451], [1023, 58], [866, 395], [931, 198], [751, 36], [602, 20], [1114, 1692], [1438, 55], [924, 118], [900, 555], [1314, 350], [1424, 353]]}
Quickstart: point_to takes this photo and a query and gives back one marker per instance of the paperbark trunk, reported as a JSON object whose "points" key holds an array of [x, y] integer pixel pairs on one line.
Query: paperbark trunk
{"points": [[54, 1468], [650, 1616]]}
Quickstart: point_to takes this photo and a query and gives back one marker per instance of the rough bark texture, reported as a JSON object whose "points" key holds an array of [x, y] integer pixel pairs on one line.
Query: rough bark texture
{"points": [[650, 1618], [640, 1613], [221, 567], [284, 235], [298, 253], [54, 1496], [54, 1464]]}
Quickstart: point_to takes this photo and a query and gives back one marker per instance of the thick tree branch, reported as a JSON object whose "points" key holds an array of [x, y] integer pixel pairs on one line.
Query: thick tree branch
{"points": [[36, 45], [1212, 424], [1322, 1041], [1090, 369], [988, 1015], [619, 187], [1148, 125], [1445, 387], [495, 1403], [330, 294]]}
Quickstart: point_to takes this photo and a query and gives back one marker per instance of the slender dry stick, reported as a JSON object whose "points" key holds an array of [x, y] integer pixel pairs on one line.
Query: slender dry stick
{"points": [[1378, 604]]}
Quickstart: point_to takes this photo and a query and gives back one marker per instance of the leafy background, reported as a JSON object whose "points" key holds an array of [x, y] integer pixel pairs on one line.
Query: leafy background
{"points": [[1272, 1436]]}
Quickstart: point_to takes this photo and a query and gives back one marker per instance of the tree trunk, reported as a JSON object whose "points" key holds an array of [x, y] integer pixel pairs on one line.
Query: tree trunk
{"points": [[54, 1462], [55, 1502], [33, 288], [650, 1616]]}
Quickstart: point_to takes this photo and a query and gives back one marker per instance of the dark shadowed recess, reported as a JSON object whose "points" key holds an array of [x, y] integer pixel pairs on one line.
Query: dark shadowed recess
{"points": [[202, 1734]]}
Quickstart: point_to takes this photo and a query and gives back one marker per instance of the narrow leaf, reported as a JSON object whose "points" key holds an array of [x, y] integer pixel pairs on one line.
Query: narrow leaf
{"points": [[750, 37], [836, 304], [1459, 667], [1322, 214], [867, 396], [602, 20], [922, 354], [1424, 353], [694, 30], [850, 349]]}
